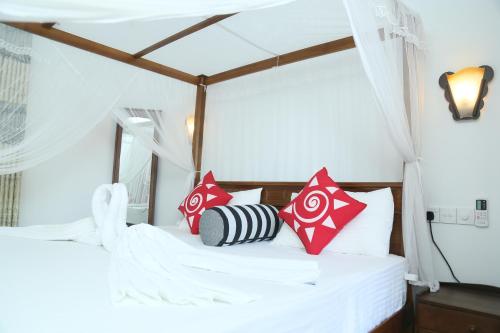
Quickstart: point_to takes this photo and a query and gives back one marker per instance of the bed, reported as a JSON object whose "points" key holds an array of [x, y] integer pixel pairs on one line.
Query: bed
{"points": [[65, 289]]}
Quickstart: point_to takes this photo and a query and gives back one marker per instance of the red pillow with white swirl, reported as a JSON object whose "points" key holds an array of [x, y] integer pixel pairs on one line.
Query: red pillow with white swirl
{"points": [[320, 211], [205, 195]]}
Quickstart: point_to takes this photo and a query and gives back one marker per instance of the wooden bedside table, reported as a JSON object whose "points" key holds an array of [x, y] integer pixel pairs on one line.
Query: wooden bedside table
{"points": [[459, 309]]}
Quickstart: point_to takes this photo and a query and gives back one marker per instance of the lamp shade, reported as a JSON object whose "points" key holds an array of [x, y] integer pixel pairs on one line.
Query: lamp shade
{"points": [[465, 90]]}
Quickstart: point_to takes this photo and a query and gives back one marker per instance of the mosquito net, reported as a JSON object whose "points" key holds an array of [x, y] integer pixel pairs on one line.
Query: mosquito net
{"points": [[48, 103]]}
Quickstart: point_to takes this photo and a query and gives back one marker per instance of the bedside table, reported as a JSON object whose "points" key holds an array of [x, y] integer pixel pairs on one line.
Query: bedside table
{"points": [[459, 309]]}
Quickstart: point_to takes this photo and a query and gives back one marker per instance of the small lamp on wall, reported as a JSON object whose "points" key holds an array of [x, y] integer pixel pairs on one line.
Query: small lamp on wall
{"points": [[465, 90], [190, 127]]}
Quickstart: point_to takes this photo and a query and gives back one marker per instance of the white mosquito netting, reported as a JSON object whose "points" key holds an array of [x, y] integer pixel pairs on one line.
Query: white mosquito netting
{"points": [[113, 11], [40, 120]]}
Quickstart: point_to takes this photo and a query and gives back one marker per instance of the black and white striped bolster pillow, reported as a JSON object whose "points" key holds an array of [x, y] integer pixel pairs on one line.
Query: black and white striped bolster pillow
{"points": [[229, 225]]}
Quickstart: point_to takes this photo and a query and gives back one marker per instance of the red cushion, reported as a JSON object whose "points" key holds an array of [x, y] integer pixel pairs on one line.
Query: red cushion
{"points": [[205, 195], [320, 211]]}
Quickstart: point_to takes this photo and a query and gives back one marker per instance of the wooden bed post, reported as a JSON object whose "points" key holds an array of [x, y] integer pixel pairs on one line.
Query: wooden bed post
{"points": [[199, 121]]}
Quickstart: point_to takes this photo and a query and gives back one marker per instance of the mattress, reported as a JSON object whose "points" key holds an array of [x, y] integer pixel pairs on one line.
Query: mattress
{"points": [[63, 287]]}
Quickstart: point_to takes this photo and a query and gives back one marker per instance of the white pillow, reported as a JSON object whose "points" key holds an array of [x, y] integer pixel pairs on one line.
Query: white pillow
{"points": [[249, 197], [368, 233]]}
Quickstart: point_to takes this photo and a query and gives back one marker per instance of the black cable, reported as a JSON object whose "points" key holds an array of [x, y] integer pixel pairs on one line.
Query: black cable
{"points": [[440, 252]]}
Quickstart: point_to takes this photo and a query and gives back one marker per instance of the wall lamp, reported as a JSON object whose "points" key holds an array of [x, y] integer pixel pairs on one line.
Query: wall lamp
{"points": [[465, 90], [190, 127]]}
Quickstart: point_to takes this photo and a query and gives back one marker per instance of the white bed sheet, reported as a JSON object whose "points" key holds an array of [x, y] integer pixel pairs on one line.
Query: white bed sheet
{"points": [[62, 287]]}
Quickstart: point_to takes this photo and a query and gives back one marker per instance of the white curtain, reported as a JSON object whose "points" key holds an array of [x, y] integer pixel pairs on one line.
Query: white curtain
{"points": [[293, 120], [68, 98], [70, 91], [123, 10], [14, 79], [64, 100], [385, 57]]}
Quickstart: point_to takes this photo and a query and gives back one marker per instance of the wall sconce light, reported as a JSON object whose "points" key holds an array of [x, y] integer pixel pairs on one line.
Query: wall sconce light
{"points": [[465, 90], [190, 126]]}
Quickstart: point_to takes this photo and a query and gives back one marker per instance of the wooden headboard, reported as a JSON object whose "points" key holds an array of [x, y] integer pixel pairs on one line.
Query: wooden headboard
{"points": [[278, 194]]}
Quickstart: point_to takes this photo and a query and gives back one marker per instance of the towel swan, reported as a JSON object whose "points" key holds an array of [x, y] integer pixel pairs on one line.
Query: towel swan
{"points": [[109, 207], [150, 266]]}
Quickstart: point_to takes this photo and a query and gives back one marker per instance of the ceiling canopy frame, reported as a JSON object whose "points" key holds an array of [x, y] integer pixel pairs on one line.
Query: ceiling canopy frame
{"points": [[181, 34], [48, 30], [137, 59]]}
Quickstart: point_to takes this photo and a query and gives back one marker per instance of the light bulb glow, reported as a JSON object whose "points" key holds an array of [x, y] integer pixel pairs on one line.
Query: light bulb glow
{"points": [[465, 88], [190, 126]]}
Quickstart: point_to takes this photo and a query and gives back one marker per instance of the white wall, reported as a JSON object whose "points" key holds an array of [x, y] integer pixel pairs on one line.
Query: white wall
{"points": [[461, 160], [60, 190]]}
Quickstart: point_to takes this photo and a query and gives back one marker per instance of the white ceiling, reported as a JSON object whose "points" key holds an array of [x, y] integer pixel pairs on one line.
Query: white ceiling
{"points": [[218, 48]]}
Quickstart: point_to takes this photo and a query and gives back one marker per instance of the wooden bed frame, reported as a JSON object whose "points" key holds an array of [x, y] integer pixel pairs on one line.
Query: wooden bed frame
{"points": [[278, 194]]}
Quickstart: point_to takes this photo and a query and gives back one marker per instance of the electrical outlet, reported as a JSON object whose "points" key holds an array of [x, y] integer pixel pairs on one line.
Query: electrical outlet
{"points": [[435, 210], [465, 216], [448, 215]]}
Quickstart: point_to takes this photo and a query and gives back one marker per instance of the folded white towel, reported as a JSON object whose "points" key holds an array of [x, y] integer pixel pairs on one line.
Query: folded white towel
{"points": [[146, 268], [109, 207], [149, 265]]}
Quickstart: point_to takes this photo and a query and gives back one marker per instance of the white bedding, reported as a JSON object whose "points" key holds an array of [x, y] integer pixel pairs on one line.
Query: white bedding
{"points": [[62, 287]]}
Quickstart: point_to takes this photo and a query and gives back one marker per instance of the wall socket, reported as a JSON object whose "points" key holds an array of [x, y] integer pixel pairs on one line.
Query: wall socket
{"points": [[435, 210], [460, 215], [448, 215]]}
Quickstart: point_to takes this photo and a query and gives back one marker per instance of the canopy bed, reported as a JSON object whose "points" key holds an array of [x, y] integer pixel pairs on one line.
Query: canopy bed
{"points": [[387, 37], [374, 286]]}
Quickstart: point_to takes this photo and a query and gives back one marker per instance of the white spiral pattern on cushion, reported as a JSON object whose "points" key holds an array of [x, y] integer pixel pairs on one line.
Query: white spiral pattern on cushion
{"points": [[194, 201], [316, 203]]}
